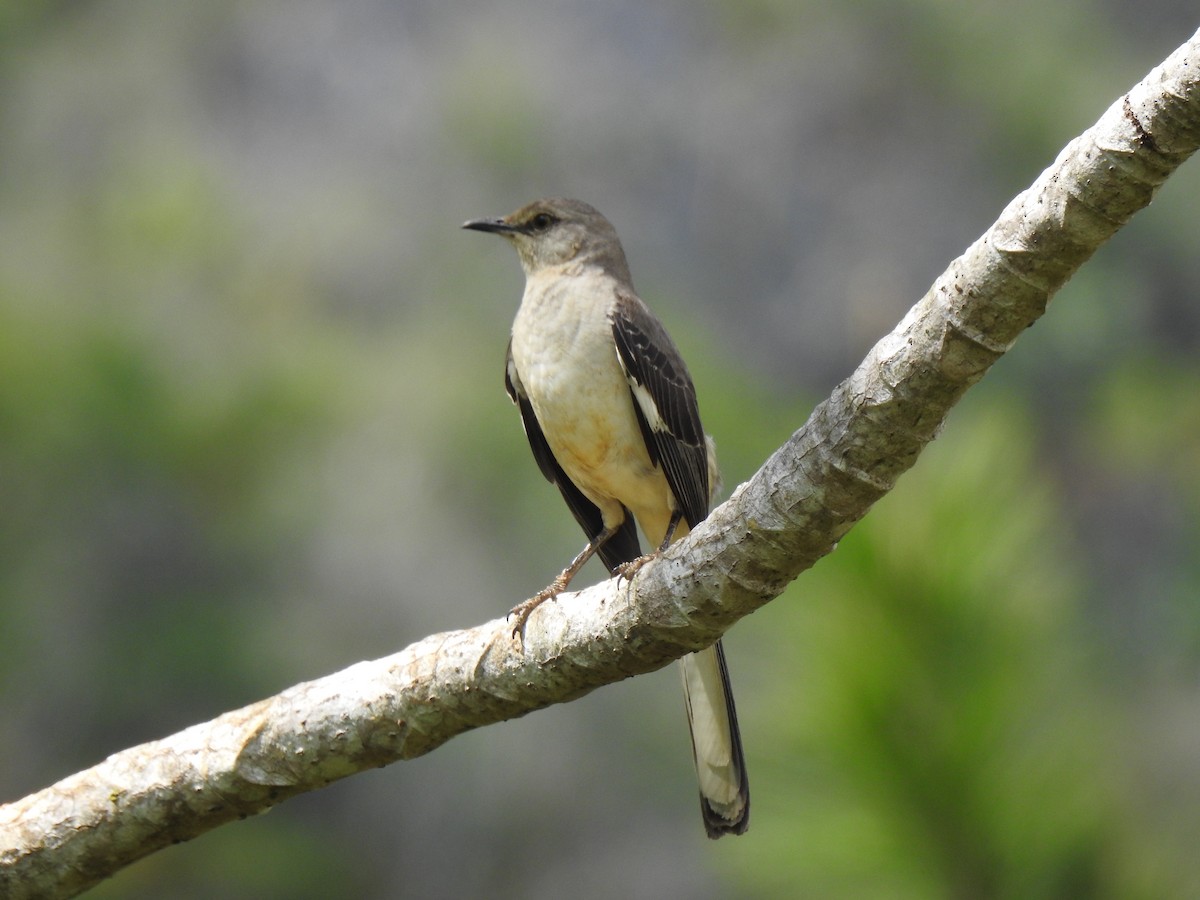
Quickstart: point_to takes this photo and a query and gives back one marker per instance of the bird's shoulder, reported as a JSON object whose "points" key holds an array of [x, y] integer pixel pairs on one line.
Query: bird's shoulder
{"points": [[645, 342]]}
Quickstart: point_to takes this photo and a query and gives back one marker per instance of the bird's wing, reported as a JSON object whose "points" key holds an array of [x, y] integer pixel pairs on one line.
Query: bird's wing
{"points": [[623, 546], [665, 401]]}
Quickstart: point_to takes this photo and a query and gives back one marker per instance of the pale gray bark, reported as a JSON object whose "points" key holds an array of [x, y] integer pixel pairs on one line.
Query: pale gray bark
{"points": [[810, 492]]}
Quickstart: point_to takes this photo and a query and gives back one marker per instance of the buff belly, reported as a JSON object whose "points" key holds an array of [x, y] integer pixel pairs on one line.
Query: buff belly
{"points": [[589, 421]]}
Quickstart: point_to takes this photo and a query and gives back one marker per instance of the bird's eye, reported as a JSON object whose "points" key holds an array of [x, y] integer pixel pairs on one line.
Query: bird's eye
{"points": [[541, 221]]}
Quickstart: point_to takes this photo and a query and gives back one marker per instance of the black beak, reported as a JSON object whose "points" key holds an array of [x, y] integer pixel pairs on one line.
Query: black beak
{"points": [[495, 226]]}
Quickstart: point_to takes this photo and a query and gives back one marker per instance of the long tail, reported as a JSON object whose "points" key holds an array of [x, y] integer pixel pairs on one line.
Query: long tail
{"points": [[716, 742]]}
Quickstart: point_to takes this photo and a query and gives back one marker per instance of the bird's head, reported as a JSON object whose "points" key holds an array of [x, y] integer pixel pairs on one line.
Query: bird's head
{"points": [[555, 231]]}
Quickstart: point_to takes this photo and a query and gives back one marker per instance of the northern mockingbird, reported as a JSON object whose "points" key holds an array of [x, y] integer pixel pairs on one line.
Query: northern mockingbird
{"points": [[611, 415]]}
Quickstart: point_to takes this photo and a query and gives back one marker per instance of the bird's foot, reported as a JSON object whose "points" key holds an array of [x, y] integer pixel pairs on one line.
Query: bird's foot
{"points": [[525, 608], [631, 568]]}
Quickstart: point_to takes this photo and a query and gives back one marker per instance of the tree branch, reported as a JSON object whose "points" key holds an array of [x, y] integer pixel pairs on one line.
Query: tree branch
{"points": [[67, 837]]}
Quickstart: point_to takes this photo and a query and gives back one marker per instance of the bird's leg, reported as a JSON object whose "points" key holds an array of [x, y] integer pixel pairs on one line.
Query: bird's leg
{"points": [[629, 569], [558, 585]]}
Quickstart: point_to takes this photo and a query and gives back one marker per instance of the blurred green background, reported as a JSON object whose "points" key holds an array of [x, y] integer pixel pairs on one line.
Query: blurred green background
{"points": [[252, 430]]}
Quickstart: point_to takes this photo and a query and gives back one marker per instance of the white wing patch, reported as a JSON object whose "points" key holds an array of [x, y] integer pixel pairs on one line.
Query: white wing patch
{"points": [[648, 407], [514, 380], [644, 401]]}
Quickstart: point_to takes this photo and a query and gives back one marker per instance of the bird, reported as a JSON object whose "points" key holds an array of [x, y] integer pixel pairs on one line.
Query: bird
{"points": [[611, 415]]}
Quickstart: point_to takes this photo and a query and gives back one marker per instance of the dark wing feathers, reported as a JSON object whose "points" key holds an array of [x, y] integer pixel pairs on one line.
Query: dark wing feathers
{"points": [[623, 546], [537, 441], [665, 401]]}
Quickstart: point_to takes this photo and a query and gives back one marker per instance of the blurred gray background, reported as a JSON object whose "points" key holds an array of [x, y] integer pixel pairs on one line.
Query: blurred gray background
{"points": [[253, 429]]}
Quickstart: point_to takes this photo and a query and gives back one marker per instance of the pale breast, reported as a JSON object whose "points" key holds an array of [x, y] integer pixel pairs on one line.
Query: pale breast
{"points": [[563, 349]]}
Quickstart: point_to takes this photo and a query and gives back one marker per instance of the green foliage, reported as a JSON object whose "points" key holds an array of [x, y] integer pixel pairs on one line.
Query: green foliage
{"points": [[1147, 421], [147, 415], [932, 708], [243, 860]]}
